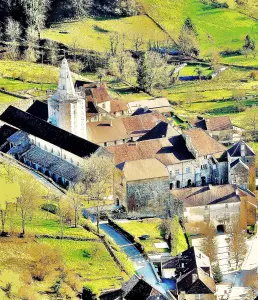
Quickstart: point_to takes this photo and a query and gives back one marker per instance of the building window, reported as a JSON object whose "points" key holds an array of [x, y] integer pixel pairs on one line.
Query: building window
{"points": [[188, 170], [45, 148], [38, 144], [171, 185], [177, 172], [52, 150], [78, 164], [206, 207], [226, 205], [64, 156], [178, 184], [105, 144], [71, 160]]}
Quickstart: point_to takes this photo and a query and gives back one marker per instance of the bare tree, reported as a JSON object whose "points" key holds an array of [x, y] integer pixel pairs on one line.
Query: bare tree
{"points": [[12, 33], [28, 200], [75, 196], [209, 243], [52, 52], [252, 120], [138, 42], [36, 13], [98, 179], [31, 53], [237, 241], [114, 42]]}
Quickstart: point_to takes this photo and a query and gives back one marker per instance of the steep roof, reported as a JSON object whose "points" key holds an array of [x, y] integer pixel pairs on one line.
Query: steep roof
{"points": [[5, 132], [121, 128], [96, 92], [203, 143], [167, 151], [141, 111], [39, 109], [176, 153], [218, 123], [162, 129], [143, 169], [238, 161], [213, 123], [117, 106], [207, 195], [137, 288], [106, 131], [235, 150], [139, 150], [195, 273], [142, 122], [65, 88], [47, 132]]}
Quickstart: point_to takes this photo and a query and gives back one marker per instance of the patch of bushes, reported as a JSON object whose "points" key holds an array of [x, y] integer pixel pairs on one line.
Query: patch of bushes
{"points": [[52, 208]]}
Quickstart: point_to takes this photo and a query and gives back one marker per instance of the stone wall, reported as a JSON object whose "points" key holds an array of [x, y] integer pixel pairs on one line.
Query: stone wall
{"points": [[148, 197]]}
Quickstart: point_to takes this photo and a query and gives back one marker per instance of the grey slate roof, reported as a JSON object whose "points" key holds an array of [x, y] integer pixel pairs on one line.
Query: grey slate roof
{"points": [[235, 150], [52, 163], [238, 161], [5, 132], [137, 288], [48, 132], [39, 109]]}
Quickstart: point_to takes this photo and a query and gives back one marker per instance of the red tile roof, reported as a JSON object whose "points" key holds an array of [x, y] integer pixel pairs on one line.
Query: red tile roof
{"points": [[96, 92]]}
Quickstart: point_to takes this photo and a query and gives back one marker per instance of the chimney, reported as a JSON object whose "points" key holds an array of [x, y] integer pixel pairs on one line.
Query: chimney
{"points": [[242, 149]]}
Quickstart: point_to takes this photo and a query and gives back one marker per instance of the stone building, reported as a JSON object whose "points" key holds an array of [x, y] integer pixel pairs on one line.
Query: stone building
{"points": [[121, 130], [66, 108], [48, 149], [193, 274], [220, 128], [99, 104], [192, 159], [219, 205], [161, 105], [142, 186], [241, 165]]}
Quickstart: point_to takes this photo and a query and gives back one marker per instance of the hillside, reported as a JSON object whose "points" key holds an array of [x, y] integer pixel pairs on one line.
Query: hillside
{"points": [[95, 33], [218, 28]]}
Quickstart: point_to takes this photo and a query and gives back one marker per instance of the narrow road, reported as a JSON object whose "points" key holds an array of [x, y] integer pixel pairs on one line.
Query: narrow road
{"points": [[142, 266]]}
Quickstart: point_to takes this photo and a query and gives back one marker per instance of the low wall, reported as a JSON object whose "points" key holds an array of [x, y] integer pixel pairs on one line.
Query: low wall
{"points": [[130, 237], [70, 238]]}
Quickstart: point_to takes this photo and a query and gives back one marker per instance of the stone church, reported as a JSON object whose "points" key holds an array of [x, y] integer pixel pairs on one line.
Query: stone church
{"points": [[50, 138], [66, 108]]}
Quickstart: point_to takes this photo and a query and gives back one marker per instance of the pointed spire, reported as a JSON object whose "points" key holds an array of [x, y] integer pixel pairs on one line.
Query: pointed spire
{"points": [[65, 84]]}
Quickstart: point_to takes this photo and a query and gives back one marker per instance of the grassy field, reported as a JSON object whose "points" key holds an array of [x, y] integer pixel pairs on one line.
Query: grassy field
{"points": [[149, 227], [91, 261], [218, 29], [94, 34]]}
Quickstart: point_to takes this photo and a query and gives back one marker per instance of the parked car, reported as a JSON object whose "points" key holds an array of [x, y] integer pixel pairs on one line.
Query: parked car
{"points": [[144, 237]]}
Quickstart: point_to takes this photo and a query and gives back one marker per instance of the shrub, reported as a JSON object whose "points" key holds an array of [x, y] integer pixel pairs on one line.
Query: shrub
{"points": [[52, 208]]}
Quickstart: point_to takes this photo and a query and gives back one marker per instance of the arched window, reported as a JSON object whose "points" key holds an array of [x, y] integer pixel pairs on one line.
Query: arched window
{"points": [[171, 185], [178, 184]]}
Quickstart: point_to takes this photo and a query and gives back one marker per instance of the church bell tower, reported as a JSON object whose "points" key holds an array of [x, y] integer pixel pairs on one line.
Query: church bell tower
{"points": [[66, 108]]}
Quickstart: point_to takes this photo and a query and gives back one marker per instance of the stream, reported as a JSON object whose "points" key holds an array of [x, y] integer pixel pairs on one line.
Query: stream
{"points": [[142, 265]]}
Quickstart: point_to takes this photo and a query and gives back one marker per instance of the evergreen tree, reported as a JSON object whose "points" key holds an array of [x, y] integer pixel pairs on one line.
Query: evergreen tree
{"points": [[217, 274], [188, 25], [143, 74]]}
